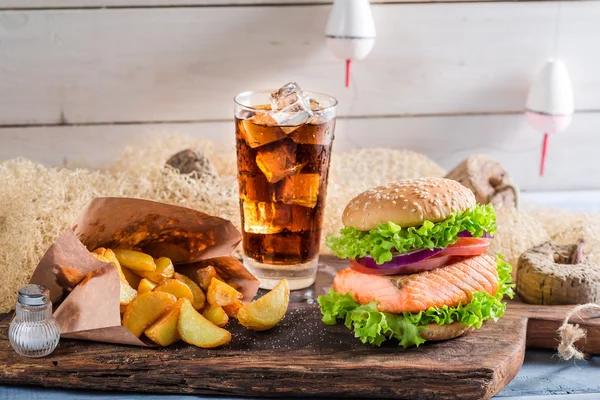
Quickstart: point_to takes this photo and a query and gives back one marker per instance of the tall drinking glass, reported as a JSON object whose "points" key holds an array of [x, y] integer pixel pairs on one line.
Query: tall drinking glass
{"points": [[283, 164]]}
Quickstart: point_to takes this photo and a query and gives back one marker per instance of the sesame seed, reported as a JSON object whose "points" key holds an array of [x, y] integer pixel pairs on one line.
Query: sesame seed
{"points": [[413, 210], [393, 201], [404, 207]]}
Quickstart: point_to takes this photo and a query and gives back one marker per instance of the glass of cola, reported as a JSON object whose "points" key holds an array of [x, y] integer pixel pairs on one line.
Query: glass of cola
{"points": [[283, 142]]}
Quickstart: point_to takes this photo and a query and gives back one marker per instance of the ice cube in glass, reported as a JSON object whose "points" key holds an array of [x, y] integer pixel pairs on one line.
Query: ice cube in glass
{"points": [[263, 217], [290, 107], [278, 160], [254, 186], [261, 129], [310, 133], [300, 189]]}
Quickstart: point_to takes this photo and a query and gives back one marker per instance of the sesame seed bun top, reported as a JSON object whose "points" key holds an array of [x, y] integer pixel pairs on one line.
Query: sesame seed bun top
{"points": [[408, 202]]}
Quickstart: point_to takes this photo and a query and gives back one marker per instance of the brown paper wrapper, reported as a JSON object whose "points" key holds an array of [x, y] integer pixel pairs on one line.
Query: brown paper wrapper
{"points": [[89, 289]]}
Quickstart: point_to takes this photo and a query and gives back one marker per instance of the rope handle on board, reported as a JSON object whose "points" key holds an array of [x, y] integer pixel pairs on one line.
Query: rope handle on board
{"points": [[568, 334]]}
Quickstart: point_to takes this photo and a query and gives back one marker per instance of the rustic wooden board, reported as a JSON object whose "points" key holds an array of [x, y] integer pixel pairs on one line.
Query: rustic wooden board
{"points": [[302, 357]]}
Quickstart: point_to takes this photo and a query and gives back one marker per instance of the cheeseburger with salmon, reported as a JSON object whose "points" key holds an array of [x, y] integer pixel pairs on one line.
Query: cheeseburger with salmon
{"points": [[418, 269]]}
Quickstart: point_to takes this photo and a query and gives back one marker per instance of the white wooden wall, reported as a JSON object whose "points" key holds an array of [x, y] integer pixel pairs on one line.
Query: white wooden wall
{"points": [[447, 79]]}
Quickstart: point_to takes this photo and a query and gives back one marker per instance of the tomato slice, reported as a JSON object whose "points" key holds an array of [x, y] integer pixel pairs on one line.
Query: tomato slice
{"points": [[467, 247], [425, 265]]}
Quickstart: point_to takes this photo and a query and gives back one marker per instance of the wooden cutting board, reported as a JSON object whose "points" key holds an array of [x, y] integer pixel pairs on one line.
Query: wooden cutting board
{"points": [[304, 357]]}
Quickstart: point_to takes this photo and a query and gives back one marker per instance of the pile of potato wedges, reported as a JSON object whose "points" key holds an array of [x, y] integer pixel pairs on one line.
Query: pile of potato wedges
{"points": [[167, 306]]}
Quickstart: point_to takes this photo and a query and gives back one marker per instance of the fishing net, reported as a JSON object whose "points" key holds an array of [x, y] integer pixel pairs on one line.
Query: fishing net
{"points": [[518, 231], [37, 202]]}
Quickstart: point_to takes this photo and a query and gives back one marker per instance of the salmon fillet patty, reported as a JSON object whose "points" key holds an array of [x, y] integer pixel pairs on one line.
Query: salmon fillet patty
{"points": [[451, 285]]}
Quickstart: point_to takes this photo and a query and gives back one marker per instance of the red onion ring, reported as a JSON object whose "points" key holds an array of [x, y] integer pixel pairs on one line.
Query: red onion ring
{"points": [[437, 261], [399, 260]]}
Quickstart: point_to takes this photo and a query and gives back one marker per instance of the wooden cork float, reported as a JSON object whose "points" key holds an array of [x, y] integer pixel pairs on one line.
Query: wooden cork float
{"points": [[551, 275]]}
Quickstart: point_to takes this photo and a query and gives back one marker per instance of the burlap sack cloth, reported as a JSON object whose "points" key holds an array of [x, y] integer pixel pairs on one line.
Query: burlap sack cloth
{"points": [[88, 290]]}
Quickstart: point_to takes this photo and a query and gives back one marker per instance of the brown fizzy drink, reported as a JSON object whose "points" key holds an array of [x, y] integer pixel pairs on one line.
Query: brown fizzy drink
{"points": [[282, 174]]}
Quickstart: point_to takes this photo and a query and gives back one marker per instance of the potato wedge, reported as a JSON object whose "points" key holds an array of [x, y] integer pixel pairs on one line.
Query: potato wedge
{"points": [[267, 311], [221, 294], [176, 288], [205, 275], [145, 286], [232, 309], [164, 330], [110, 256], [198, 331], [135, 260], [99, 257], [199, 297], [99, 251], [131, 277], [164, 270], [145, 309], [126, 292], [216, 315]]}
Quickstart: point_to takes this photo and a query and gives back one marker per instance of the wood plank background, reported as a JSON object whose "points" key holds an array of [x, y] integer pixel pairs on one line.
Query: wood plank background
{"points": [[447, 79], [48, 4]]}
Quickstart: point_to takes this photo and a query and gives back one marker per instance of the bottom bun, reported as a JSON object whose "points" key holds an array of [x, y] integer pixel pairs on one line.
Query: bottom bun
{"points": [[434, 331]]}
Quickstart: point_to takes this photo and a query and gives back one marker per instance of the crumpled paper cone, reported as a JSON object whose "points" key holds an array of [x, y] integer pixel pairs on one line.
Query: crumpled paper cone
{"points": [[89, 289]]}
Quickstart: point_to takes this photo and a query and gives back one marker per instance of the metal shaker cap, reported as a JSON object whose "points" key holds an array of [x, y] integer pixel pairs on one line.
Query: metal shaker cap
{"points": [[34, 295]]}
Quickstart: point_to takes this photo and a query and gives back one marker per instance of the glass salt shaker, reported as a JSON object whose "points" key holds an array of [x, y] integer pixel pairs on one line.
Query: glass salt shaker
{"points": [[34, 332]]}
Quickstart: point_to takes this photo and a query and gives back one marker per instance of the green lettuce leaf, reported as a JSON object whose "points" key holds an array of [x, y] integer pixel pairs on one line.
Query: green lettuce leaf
{"points": [[375, 327], [379, 242]]}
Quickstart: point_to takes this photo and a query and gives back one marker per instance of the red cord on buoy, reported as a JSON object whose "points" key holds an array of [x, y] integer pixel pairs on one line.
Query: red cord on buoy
{"points": [[544, 151], [348, 72]]}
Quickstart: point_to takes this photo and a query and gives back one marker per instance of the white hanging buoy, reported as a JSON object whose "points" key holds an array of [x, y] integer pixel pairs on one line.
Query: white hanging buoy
{"points": [[350, 31], [549, 106]]}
